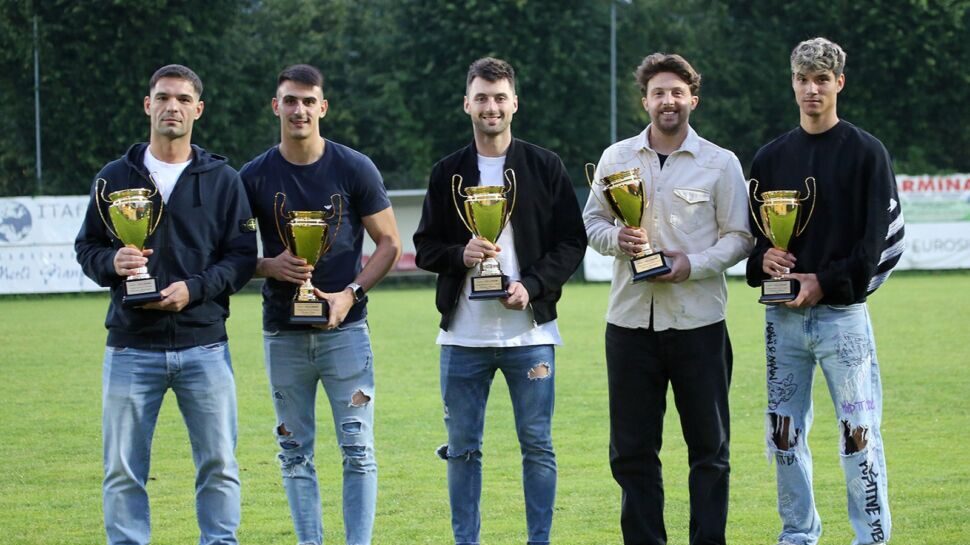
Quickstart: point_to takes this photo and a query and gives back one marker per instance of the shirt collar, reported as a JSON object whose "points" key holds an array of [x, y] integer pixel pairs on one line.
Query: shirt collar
{"points": [[691, 144]]}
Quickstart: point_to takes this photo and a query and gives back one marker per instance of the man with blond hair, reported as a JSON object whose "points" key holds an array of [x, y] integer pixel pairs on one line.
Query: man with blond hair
{"points": [[850, 245]]}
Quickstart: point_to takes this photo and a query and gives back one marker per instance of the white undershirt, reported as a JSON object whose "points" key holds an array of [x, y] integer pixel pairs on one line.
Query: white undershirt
{"points": [[486, 322], [164, 174]]}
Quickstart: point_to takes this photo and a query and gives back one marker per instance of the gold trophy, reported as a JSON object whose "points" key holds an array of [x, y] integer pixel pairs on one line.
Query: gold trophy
{"points": [[781, 219], [488, 211], [305, 235], [130, 211], [627, 200]]}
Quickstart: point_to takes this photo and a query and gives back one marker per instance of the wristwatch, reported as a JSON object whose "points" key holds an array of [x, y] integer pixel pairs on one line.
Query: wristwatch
{"points": [[357, 290]]}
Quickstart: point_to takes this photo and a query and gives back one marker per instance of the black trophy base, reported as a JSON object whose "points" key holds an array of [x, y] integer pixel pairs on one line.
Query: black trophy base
{"points": [[779, 290], [648, 266], [309, 313], [493, 286], [140, 292]]}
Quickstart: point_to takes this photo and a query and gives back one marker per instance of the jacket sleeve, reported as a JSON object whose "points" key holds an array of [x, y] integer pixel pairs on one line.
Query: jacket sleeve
{"points": [[847, 280], [94, 246], [559, 261], [236, 249], [434, 251], [734, 240]]}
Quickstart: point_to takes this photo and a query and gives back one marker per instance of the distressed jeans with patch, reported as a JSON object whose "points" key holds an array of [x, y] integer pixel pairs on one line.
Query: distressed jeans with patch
{"points": [[839, 339], [134, 384], [296, 361], [466, 377]]}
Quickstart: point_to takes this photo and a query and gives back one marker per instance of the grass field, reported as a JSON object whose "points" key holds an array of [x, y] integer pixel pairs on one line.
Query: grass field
{"points": [[50, 448]]}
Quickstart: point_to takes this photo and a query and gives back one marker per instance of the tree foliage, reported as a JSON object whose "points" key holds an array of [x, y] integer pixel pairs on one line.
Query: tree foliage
{"points": [[395, 74]]}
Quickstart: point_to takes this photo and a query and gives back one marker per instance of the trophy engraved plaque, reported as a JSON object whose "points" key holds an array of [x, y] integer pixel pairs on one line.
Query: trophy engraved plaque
{"points": [[130, 213], [304, 234], [625, 197], [781, 219], [488, 211]]}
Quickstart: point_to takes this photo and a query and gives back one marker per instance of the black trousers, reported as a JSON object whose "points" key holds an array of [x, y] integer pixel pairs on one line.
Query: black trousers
{"points": [[697, 363]]}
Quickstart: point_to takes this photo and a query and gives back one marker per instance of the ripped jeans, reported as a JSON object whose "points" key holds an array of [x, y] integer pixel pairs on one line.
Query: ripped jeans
{"points": [[466, 377], [840, 340], [342, 360]]}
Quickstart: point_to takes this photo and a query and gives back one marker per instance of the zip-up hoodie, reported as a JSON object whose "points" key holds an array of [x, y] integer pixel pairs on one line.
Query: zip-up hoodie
{"points": [[205, 237]]}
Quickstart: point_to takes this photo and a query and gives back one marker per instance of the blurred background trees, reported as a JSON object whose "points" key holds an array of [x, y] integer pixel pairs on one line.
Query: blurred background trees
{"points": [[395, 72]]}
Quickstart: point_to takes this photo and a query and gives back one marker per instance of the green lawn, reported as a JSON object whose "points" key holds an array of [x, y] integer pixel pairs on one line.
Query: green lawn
{"points": [[50, 449]]}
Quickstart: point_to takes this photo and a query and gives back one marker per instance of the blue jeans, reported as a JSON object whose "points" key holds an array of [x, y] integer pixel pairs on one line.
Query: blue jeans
{"points": [[134, 383], [295, 362], [839, 339], [466, 376]]}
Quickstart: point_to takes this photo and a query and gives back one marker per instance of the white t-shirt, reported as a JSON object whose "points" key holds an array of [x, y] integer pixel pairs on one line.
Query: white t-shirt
{"points": [[486, 323], [164, 174]]}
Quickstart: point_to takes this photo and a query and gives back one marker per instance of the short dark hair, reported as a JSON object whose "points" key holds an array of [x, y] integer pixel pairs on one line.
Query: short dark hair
{"points": [[662, 62], [490, 69], [301, 73], [176, 71]]}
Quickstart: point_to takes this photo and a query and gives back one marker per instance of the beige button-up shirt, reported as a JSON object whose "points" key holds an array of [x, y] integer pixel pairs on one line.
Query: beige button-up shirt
{"points": [[697, 204]]}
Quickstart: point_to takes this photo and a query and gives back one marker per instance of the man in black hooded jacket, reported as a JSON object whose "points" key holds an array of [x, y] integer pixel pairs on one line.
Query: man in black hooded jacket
{"points": [[203, 250]]}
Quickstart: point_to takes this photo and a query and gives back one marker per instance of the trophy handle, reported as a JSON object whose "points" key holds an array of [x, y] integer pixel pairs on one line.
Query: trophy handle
{"points": [[277, 214], [513, 188], [456, 181], [590, 170], [754, 197], [99, 186], [813, 194], [337, 204], [161, 205]]}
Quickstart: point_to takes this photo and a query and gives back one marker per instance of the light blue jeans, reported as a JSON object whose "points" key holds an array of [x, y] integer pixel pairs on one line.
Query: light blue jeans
{"points": [[134, 383], [296, 361], [839, 339], [466, 377]]}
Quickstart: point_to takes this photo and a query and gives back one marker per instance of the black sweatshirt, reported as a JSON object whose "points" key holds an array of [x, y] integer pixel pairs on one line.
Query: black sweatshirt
{"points": [[854, 236], [550, 238], [206, 237]]}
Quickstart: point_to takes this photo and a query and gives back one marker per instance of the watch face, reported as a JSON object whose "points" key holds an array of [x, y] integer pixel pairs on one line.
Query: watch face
{"points": [[358, 292]]}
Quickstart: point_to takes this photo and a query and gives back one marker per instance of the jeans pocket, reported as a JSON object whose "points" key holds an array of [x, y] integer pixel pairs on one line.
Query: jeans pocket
{"points": [[116, 349], [275, 333], [214, 347]]}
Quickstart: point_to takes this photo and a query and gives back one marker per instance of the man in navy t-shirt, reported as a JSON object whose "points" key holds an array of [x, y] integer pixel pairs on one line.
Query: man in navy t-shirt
{"points": [[309, 169]]}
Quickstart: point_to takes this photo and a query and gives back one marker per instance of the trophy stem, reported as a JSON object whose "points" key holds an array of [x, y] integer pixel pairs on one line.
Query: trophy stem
{"points": [[490, 267], [306, 291], [140, 274]]}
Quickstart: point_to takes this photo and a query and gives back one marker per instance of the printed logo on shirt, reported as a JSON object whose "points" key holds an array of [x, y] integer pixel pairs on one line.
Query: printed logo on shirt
{"points": [[248, 226]]}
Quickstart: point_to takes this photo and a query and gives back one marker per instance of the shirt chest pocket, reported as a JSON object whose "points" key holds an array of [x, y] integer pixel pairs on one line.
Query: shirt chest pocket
{"points": [[691, 208]]}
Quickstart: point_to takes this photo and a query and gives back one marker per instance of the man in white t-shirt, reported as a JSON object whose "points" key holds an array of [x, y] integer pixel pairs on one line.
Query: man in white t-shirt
{"points": [[539, 250]]}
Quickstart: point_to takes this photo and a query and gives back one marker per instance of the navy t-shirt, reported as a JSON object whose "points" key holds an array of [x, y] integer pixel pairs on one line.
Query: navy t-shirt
{"points": [[342, 171]]}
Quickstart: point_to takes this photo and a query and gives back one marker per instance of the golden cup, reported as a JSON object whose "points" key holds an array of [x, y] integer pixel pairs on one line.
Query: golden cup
{"points": [[304, 234], [487, 212], [130, 213], [625, 197], [781, 219]]}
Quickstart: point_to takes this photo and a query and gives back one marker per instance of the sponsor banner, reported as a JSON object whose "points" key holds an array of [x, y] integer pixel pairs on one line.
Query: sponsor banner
{"points": [[934, 199], [47, 268], [37, 245], [937, 214]]}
